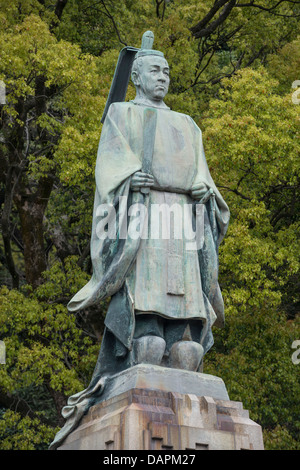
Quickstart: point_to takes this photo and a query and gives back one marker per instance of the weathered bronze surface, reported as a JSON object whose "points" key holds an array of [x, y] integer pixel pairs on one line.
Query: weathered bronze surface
{"points": [[153, 190]]}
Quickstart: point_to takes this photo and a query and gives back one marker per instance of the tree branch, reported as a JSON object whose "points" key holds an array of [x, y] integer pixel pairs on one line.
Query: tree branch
{"points": [[204, 28], [19, 405], [113, 22], [158, 3], [235, 191], [5, 222], [252, 4], [200, 31], [59, 8], [270, 10], [199, 26]]}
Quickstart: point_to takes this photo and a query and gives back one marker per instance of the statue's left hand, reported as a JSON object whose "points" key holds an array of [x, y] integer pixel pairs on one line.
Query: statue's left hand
{"points": [[141, 180], [199, 190]]}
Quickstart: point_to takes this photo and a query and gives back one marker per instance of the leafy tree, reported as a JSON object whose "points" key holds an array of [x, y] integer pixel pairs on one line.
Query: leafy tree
{"points": [[49, 136], [251, 137], [285, 64]]}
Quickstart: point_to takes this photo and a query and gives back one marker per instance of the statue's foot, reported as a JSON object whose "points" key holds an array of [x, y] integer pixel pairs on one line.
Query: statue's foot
{"points": [[149, 350], [186, 355]]}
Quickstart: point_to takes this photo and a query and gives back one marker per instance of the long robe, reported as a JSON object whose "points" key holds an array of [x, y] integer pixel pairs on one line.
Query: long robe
{"points": [[145, 274]]}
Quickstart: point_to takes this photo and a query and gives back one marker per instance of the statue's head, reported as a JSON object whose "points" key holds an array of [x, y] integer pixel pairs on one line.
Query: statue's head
{"points": [[150, 71]]}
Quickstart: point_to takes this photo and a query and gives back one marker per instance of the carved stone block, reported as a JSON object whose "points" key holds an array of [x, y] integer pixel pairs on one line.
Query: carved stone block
{"points": [[142, 418]]}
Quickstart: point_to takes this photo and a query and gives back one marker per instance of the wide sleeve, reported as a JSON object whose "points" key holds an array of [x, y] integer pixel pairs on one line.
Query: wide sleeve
{"points": [[203, 175], [116, 161], [111, 256]]}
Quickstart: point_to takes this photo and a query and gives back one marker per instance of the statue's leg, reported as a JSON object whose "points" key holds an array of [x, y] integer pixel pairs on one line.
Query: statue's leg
{"points": [[186, 355], [148, 342], [183, 341]]}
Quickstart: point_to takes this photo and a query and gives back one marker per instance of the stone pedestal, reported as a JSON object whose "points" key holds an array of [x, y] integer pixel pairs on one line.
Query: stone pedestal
{"points": [[156, 408]]}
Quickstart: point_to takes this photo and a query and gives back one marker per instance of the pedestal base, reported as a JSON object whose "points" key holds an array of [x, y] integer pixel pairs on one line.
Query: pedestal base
{"points": [[140, 414]]}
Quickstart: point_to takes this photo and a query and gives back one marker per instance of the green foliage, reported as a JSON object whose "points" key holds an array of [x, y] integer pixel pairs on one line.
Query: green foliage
{"points": [[42, 339], [23, 433], [285, 65], [251, 140], [279, 438], [29, 51], [253, 356], [45, 347]]}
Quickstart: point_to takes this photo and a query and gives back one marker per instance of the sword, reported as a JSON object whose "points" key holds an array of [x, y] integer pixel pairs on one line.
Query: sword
{"points": [[150, 119], [209, 195]]}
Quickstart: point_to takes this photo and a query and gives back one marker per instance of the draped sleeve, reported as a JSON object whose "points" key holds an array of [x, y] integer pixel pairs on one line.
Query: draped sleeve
{"points": [[203, 175], [116, 162]]}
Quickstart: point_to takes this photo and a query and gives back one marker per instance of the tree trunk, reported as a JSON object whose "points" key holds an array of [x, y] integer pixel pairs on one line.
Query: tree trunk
{"points": [[31, 209], [31, 219]]}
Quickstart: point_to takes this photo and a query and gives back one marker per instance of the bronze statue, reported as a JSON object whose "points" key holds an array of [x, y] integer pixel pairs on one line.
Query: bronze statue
{"points": [[163, 284]]}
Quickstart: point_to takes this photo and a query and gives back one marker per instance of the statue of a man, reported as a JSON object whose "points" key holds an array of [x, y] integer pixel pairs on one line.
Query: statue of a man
{"points": [[164, 289]]}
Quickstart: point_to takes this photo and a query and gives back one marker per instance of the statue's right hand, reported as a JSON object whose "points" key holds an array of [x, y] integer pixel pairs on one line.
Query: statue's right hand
{"points": [[141, 180]]}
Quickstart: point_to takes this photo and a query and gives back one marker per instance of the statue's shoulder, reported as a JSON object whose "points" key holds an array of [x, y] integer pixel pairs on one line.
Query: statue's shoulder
{"points": [[121, 106], [188, 120], [123, 111], [183, 116]]}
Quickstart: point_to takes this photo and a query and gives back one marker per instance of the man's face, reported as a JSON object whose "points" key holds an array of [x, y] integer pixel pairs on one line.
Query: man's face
{"points": [[153, 77]]}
